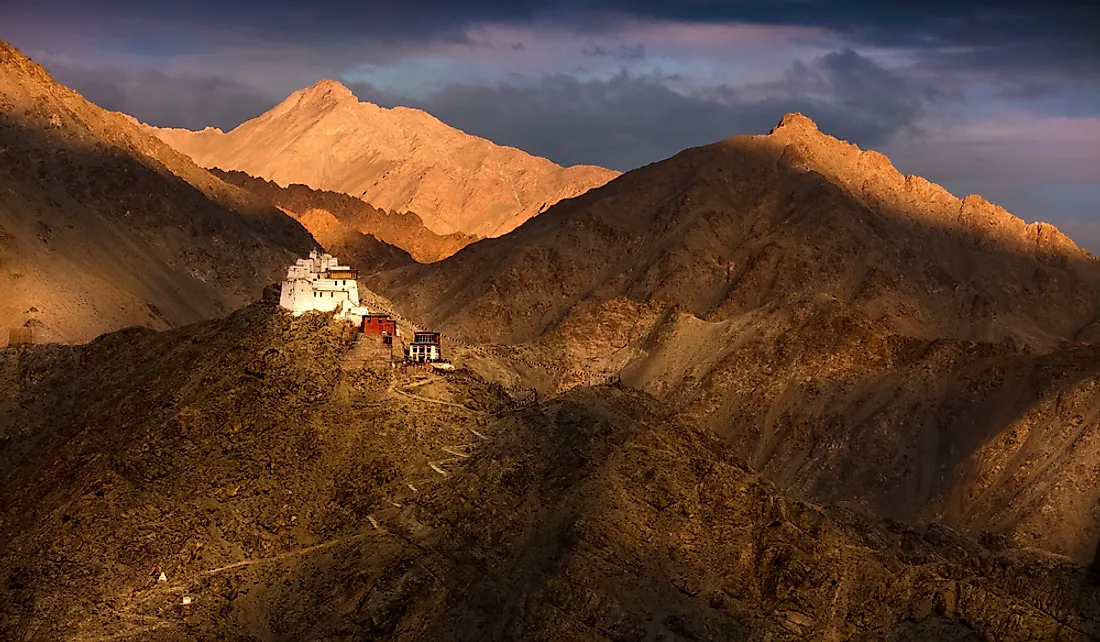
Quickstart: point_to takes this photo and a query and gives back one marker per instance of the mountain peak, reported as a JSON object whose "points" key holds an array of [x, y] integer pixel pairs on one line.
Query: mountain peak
{"points": [[399, 159], [796, 121], [7, 50], [329, 88]]}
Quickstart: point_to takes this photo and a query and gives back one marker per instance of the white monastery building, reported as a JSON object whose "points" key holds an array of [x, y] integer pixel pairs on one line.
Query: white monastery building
{"points": [[321, 284]]}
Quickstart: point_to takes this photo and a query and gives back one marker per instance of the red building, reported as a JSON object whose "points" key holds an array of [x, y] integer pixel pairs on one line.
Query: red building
{"points": [[379, 324]]}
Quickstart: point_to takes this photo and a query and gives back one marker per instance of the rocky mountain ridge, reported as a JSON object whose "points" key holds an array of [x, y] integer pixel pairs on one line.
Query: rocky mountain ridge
{"points": [[398, 159], [332, 218], [861, 336], [724, 228], [103, 226]]}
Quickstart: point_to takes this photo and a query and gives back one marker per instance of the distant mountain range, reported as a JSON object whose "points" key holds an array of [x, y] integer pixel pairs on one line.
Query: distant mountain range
{"points": [[400, 159]]}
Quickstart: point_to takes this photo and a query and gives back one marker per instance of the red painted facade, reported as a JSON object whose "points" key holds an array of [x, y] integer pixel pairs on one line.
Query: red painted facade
{"points": [[379, 324]]}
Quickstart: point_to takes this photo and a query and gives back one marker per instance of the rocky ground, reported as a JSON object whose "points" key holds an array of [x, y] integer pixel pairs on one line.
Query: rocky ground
{"points": [[990, 438], [292, 500]]}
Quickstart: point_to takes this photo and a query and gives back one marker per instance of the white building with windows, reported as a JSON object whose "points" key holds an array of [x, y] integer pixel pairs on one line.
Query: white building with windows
{"points": [[321, 284]]}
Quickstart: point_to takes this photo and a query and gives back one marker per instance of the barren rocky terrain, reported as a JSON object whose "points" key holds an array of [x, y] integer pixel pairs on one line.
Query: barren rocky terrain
{"points": [[723, 229], [103, 226], [289, 499], [399, 159], [767, 389], [858, 335]]}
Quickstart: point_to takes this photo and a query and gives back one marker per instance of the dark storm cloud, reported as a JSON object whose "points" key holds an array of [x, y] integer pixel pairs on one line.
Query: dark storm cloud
{"points": [[857, 84], [624, 52], [630, 120], [916, 20], [985, 24], [1026, 48], [167, 101], [1025, 69]]}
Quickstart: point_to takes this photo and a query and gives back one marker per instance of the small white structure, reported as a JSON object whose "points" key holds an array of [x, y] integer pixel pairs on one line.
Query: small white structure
{"points": [[426, 347], [321, 284]]}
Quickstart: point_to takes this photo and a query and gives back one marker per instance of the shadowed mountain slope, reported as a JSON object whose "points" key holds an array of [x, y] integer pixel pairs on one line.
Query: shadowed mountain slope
{"points": [[723, 229], [103, 226], [396, 159], [858, 335], [292, 500], [332, 218]]}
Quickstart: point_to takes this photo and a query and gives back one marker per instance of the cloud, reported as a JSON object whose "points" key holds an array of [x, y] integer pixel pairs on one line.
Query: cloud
{"points": [[1043, 43], [624, 52], [886, 101], [187, 101], [1010, 150], [635, 52], [632, 119]]}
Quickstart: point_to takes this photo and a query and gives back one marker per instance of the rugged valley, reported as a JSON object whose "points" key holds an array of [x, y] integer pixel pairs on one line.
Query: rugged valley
{"points": [[288, 499], [103, 226], [399, 159]]}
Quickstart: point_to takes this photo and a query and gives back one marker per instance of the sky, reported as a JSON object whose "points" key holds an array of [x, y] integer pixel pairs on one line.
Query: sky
{"points": [[999, 98]]}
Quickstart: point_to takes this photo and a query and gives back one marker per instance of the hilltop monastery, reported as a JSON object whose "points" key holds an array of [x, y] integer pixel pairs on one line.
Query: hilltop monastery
{"points": [[321, 284]]}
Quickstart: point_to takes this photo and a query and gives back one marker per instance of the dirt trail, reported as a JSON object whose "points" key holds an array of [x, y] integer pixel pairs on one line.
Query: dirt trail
{"points": [[288, 554], [437, 401]]}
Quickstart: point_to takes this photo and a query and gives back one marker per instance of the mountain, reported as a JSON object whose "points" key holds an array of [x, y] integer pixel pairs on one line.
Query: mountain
{"points": [[396, 159], [332, 218], [859, 335], [290, 500], [723, 229], [103, 226]]}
